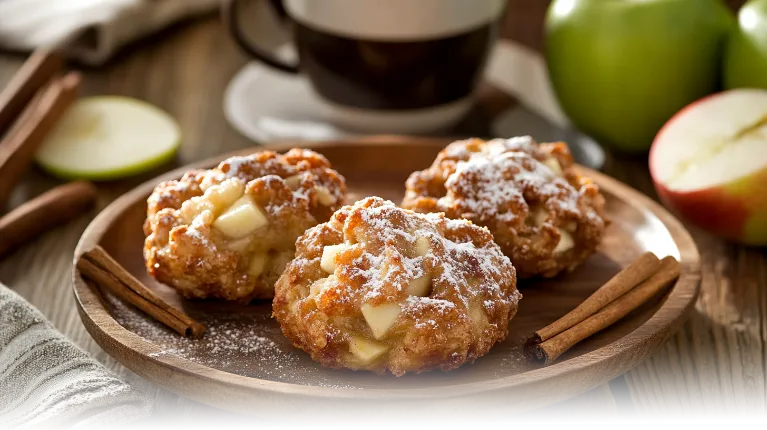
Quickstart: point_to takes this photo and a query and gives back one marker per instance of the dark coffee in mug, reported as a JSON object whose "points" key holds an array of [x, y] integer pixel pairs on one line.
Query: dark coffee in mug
{"points": [[393, 75], [391, 65]]}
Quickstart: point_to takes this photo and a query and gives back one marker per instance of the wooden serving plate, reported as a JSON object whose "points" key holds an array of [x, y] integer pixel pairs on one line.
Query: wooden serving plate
{"points": [[245, 364]]}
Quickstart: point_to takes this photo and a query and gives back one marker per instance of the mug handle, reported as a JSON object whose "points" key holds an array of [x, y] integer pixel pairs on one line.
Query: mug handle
{"points": [[229, 12]]}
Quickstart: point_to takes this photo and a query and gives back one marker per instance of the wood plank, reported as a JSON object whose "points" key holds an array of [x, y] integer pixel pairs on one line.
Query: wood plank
{"points": [[717, 362]]}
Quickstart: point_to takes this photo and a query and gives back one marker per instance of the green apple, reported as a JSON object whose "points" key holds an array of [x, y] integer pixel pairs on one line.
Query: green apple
{"points": [[622, 68], [104, 138], [745, 60]]}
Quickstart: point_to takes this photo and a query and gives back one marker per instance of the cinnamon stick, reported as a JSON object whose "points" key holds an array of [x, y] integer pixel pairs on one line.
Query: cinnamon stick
{"points": [[28, 132], [641, 269], [101, 268], [39, 68], [550, 350], [50, 209], [105, 280]]}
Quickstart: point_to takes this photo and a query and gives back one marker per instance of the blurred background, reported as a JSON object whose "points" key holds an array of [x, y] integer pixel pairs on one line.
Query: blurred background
{"points": [[604, 76], [164, 83]]}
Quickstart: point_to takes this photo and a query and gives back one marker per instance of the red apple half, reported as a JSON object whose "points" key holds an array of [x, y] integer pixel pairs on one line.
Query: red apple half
{"points": [[709, 164]]}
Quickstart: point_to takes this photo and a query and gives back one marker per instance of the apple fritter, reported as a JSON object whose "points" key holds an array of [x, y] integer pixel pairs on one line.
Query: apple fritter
{"points": [[385, 289], [544, 215], [228, 232]]}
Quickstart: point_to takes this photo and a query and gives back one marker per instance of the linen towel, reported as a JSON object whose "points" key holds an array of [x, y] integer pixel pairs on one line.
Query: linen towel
{"points": [[90, 30], [47, 381], [522, 72]]}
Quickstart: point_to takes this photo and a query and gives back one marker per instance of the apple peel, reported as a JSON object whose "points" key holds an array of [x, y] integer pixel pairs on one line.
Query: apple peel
{"points": [[709, 164]]}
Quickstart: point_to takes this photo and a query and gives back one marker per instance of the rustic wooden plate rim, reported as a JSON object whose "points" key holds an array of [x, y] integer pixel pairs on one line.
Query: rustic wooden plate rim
{"points": [[100, 323]]}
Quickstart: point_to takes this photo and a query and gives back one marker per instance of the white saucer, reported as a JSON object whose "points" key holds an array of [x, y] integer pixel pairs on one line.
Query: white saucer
{"points": [[266, 105]]}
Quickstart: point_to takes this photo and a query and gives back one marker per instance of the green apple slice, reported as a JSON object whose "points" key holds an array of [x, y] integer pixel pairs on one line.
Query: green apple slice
{"points": [[108, 137]]}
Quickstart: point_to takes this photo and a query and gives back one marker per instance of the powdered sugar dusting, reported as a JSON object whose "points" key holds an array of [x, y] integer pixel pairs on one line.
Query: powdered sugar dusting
{"points": [[428, 301], [377, 276], [441, 306], [193, 231], [524, 144], [172, 190], [251, 346], [388, 262], [235, 165], [485, 257], [460, 149], [491, 183]]}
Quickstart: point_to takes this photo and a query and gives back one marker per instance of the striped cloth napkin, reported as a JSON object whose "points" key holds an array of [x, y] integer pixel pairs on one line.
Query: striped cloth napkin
{"points": [[46, 381]]}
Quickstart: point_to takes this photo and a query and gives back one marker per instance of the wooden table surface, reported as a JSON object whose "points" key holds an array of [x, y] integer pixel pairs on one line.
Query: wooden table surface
{"points": [[716, 363]]}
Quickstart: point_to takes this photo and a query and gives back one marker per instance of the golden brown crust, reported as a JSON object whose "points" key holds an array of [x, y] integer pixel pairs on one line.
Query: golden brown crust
{"points": [[543, 214], [185, 249], [461, 311]]}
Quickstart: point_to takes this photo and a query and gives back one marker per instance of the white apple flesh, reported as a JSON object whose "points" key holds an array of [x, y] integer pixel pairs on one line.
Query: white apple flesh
{"points": [[380, 318], [366, 351], [329, 253], [709, 164], [241, 219], [103, 138]]}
